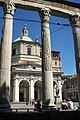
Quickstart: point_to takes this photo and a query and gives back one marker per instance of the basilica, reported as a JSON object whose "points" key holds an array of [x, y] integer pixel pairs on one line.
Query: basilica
{"points": [[26, 70]]}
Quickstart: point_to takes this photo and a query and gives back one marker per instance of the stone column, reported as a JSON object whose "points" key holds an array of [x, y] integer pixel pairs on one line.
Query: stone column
{"points": [[47, 78], [16, 91], [5, 66], [75, 23]]}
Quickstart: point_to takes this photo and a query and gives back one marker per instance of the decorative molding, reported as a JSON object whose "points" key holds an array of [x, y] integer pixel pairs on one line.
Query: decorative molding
{"points": [[9, 8], [75, 20], [45, 14]]}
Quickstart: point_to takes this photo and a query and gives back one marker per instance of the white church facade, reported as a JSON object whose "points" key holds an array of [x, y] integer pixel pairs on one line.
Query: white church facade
{"points": [[26, 70]]}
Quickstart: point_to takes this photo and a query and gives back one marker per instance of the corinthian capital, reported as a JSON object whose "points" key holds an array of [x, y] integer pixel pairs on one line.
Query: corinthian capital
{"points": [[9, 8], [45, 14], [75, 20]]}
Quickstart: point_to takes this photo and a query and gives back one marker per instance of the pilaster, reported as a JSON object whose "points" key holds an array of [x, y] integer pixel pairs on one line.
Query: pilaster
{"points": [[15, 90], [31, 91]]}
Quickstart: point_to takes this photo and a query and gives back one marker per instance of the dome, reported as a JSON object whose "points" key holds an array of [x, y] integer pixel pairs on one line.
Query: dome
{"points": [[24, 35], [24, 38]]}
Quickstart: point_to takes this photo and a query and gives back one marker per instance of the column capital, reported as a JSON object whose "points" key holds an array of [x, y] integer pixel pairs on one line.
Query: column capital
{"points": [[9, 8], [75, 20], [45, 14]]}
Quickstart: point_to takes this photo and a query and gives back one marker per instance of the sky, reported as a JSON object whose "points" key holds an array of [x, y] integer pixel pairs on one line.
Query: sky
{"points": [[61, 36]]}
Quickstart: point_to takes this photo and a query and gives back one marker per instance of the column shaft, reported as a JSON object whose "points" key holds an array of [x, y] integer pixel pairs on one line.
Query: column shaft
{"points": [[75, 22], [47, 79], [5, 65]]}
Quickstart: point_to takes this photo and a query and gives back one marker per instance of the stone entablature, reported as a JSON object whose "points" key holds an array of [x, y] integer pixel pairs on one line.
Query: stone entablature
{"points": [[62, 10], [22, 76], [65, 9]]}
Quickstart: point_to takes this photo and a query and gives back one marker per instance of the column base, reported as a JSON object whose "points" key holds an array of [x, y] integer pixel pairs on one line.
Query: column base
{"points": [[58, 100], [50, 106]]}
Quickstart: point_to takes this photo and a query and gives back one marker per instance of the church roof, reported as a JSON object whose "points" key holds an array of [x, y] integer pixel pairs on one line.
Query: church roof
{"points": [[24, 35], [24, 38]]}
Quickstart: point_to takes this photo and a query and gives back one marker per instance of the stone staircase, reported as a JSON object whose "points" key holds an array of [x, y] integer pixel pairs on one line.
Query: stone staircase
{"points": [[20, 106]]}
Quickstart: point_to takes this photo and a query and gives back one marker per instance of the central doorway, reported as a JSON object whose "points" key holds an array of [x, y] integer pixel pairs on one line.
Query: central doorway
{"points": [[21, 96], [24, 91]]}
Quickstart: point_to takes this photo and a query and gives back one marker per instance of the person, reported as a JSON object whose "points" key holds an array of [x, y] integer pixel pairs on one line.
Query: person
{"points": [[47, 102], [75, 107], [35, 104], [64, 105], [38, 106], [70, 104], [33, 101]]}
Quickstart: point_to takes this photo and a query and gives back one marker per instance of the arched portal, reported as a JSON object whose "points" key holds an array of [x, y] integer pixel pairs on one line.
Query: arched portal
{"points": [[37, 90], [24, 91]]}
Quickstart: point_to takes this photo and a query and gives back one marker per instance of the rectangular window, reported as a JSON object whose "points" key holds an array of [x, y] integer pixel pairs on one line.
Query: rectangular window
{"points": [[29, 51], [55, 63], [55, 55], [13, 52]]}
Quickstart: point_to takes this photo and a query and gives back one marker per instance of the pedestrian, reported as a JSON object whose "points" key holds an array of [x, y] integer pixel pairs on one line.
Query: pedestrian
{"points": [[35, 104], [33, 101], [64, 105], [75, 107], [70, 104], [38, 106]]}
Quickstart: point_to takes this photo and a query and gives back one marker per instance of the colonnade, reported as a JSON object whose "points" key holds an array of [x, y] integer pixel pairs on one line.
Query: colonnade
{"points": [[6, 42], [27, 88]]}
